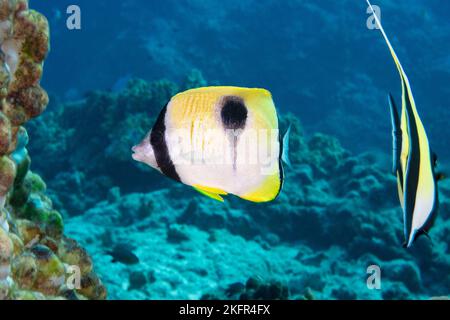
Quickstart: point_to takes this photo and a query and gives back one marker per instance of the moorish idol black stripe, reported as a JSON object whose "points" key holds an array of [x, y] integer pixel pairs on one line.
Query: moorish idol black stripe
{"points": [[414, 163]]}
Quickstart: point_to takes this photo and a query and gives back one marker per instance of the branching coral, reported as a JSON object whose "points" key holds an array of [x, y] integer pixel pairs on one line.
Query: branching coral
{"points": [[36, 259]]}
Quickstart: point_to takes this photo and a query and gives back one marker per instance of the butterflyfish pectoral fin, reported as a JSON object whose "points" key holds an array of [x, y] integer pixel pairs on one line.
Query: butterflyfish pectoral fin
{"points": [[285, 148], [212, 193], [397, 138]]}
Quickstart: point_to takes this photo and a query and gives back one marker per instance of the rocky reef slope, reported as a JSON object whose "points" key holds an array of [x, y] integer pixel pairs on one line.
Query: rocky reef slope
{"points": [[36, 260]]}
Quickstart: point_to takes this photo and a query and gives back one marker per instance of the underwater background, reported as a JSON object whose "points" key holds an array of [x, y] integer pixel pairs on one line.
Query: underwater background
{"points": [[329, 75]]}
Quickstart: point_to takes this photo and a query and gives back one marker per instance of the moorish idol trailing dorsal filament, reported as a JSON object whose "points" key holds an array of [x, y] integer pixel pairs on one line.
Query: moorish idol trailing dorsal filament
{"points": [[414, 162]]}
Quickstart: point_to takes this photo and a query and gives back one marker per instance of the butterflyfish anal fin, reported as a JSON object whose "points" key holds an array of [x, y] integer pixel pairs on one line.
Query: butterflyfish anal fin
{"points": [[212, 193], [397, 138], [211, 190]]}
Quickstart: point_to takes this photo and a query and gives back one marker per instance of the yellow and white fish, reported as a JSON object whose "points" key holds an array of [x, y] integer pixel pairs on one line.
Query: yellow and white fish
{"points": [[414, 162], [219, 140]]}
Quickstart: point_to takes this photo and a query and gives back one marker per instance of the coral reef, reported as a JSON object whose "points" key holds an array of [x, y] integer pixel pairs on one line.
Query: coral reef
{"points": [[36, 260], [253, 289]]}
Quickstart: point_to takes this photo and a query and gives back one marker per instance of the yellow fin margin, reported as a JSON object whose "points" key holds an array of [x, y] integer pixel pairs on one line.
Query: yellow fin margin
{"points": [[212, 193], [268, 190]]}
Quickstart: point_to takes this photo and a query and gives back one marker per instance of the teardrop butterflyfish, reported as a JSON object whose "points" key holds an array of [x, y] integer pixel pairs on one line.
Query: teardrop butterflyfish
{"points": [[220, 141], [414, 164]]}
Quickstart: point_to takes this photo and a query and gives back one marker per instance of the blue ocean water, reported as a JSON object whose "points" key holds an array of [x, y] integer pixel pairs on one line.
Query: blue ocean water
{"points": [[338, 213]]}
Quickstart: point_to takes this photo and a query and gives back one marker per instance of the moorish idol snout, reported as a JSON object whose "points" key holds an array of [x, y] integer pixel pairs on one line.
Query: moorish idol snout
{"points": [[219, 140], [414, 163]]}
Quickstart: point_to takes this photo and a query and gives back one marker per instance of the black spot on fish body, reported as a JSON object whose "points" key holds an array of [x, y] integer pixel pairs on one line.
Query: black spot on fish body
{"points": [[234, 116], [234, 113]]}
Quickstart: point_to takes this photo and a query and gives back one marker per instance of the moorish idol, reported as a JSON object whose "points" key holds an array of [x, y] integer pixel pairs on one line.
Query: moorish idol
{"points": [[219, 140], [414, 163]]}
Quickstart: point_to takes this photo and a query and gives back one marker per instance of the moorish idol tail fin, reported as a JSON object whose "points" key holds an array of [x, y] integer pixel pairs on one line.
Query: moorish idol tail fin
{"points": [[285, 147], [396, 135]]}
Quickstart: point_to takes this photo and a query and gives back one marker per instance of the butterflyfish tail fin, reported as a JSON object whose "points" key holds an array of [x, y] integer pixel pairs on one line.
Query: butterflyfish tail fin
{"points": [[285, 148]]}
